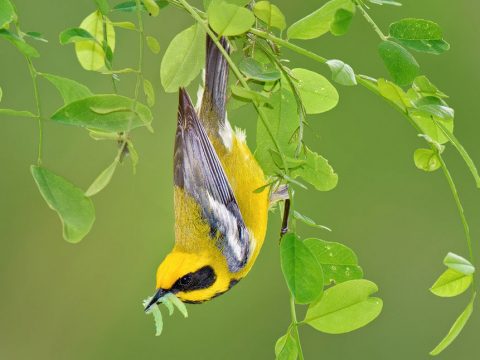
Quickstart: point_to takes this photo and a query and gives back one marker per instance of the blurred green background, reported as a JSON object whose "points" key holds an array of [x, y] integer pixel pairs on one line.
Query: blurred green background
{"points": [[64, 301]]}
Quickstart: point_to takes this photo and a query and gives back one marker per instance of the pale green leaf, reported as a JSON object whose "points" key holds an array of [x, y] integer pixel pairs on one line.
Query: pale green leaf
{"points": [[255, 70], [394, 93], [318, 23], [103, 6], [345, 307], [184, 58], [456, 328], [342, 73], [451, 283], [157, 316], [20, 113], [128, 25], [149, 92], [74, 208], [385, 2], [152, 7], [132, 152], [286, 347], [102, 180], [339, 263], [1, 94], [458, 263], [252, 95], [302, 272], [317, 93], [424, 87], [131, 5], [270, 14], [177, 302], [428, 118], [70, 90], [153, 44], [317, 171], [229, 19], [105, 112], [7, 13], [26, 49], [426, 160], [310, 222]]}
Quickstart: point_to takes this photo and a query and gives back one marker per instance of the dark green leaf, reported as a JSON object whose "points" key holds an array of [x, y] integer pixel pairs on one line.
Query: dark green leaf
{"points": [[74, 208], [426, 160], [435, 47], [317, 93], [317, 171], [7, 13], [229, 19], [455, 329], [458, 263], [451, 283], [341, 22], [26, 49], [319, 22], [302, 272], [415, 29], [104, 112], [401, 65], [255, 70], [184, 58], [270, 14], [342, 73], [73, 35], [339, 263], [345, 307], [70, 90]]}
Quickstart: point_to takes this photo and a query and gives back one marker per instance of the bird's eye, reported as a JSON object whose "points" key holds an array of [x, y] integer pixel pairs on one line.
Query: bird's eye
{"points": [[185, 280]]}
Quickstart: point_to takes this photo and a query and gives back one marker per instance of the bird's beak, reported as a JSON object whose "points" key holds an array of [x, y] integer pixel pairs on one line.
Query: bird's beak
{"points": [[156, 297]]}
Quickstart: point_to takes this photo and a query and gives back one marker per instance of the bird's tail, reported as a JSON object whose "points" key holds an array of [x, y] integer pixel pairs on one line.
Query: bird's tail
{"points": [[213, 111]]}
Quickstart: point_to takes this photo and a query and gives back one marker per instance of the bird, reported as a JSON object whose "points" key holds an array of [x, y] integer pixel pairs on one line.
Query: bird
{"points": [[220, 218]]}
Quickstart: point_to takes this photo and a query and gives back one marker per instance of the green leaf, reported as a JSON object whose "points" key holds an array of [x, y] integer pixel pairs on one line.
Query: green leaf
{"points": [[70, 90], [20, 113], [401, 65], [178, 304], [282, 118], [152, 7], [255, 70], [458, 263], [466, 157], [157, 316], [341, 22], [168, 305], [128, 25], [303, 274], [36, 36], [104, 112], [394, 93], [286, 348], [229, 19], [310, 222], [270, 14], [153, 44], [451, 283], [428, 118], [26, 49], [385, 2], [415, 29], [7, 13], [74, 35], [132, 152], [319, 22], [426, 160], [74, 208], [456, 328], [342, 73], [249, 94], [91, 54], [102, 180], [339, 263], [424, 87], [184, 58], [149, 92], [345, 307], [435, 47], [317, 171], [130, 6], [103, 6], [101, 135], [317, 93]]}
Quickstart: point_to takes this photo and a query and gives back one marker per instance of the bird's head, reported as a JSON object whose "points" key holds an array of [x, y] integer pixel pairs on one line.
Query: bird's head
{"points": [[193, 278]]}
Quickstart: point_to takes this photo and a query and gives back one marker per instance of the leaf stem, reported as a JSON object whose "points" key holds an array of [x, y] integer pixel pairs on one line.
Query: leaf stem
{"points": [[371, 22], [33, 75], [293, 314]]}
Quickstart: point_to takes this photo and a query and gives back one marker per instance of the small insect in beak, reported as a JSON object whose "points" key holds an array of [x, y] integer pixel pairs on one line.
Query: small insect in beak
{"points": [[156, 297]]}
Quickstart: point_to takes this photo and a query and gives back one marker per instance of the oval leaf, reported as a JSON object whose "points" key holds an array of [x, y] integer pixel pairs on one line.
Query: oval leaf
{"points": [[149, 92], [317, 171], [229, 19], [153, 44], [345, 307], [102, 180], [286, 348], [270, 14], [90, 54], [401, 65], [70, 90], [451, 283], [317, 93], [184, 58], [458, 263], [426, 160], [415, 29], [342, 73], [152, 7], [104, 112], [74, 208], [302, 272], [7, 13], [339, 263], [255, 70]]}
